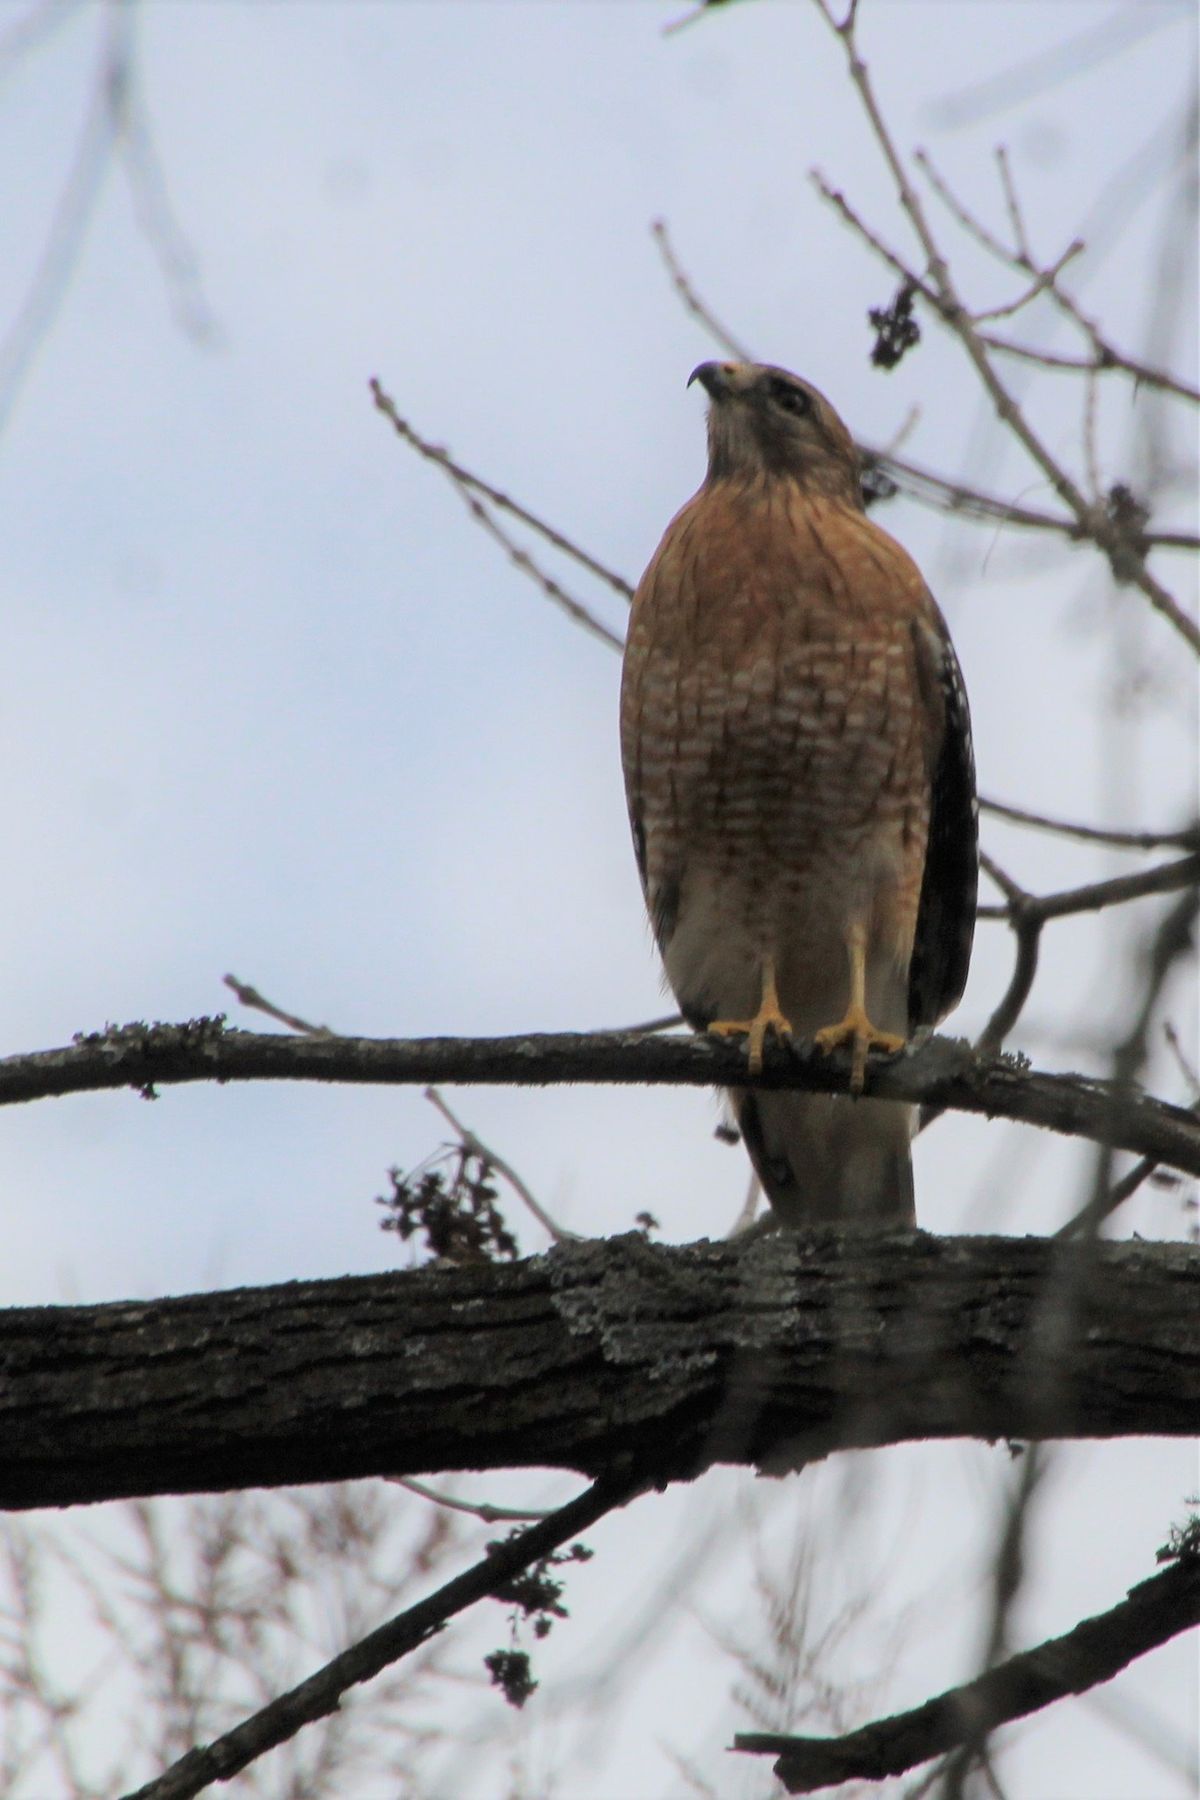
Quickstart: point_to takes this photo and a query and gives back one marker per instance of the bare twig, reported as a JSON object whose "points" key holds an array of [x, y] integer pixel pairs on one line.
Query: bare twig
{"points": [[668, 1022], [1186, 839], [929, 489], [1104, 356], [1042, 280], [74, 211], [1173, 939], [1007, 1576], [970, 222], [1094, 1651], [919, 484], [1090, 1217], [691, 299], [464, 478], [553, 590], [479, 1509], [1143, 373], [115, 127], [320, 1695], [476, 1146], [1125, 557], [250, 996], [1164, 878], [26, 33], [1015, 216], [1027, 930], [1091, 453], [1186, 1067]]}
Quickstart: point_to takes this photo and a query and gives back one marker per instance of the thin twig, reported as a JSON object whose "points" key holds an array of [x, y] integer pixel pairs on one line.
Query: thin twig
{"points": [[553, 590], [691, 299], [1186, 1068], [1027, 930], [476, 1146], [465, 478], [250, 996], [74, 210], [1044, 279], [668, 1022], [1104, 356], [320, 1695], [930, 489], [1007, 1576], [973, 226], [1015, 216], [1186, 839], [1142, 373], [480, 1509], [1173, 939], [919, 484], [1089, 1217], [1012, 890], [1091, 453], [1120, 548], [1094, 1651], [1164, 878]]}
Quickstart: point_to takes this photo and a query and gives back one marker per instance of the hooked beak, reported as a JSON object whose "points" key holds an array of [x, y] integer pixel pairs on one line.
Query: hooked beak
{"points": [[711, 377], [719, 380]]}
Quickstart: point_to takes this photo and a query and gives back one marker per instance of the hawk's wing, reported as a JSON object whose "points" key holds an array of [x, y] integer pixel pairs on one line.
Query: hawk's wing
{"points": [[946, 915]]}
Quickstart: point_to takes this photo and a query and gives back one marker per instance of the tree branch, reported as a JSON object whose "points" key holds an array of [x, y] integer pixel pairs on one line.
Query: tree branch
{"points": [[1188, 838], [470, 483], [1125, 555], [920, 484], [941, 1071], [597, 1357], [1096, 1650], [320, 1695], [1164, 878]]}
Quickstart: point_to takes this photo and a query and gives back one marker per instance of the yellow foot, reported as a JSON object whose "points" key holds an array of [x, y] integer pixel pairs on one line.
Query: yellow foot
{"points": [[857, 1030], [767, 1018]]}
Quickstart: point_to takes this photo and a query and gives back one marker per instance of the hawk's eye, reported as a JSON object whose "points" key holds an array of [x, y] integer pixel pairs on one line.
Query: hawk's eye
{"points": [[793, 399]]}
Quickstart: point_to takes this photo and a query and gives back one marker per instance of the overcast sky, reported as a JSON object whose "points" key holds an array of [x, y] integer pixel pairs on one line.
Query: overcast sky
{"points": [[272, 704]]}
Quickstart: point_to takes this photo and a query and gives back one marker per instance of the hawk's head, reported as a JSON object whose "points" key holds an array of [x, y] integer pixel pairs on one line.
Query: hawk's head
{"points": [[765, 421]]}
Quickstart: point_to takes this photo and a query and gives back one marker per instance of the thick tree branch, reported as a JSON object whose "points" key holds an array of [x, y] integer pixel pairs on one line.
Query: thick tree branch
{"points": [[1096, 1650], [597, 1357], [943, 1071]]}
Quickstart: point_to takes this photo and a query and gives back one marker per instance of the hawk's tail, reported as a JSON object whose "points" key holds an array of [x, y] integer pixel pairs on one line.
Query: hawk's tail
{"points": [[825, 1159]]}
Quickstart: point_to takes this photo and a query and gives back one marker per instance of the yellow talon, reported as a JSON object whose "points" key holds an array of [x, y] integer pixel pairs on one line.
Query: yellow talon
{"points": [[769, 1017], [857, 1030]]}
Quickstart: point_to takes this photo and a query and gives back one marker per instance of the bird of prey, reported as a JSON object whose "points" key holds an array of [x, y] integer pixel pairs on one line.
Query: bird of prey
{"points": [[797, 753]]}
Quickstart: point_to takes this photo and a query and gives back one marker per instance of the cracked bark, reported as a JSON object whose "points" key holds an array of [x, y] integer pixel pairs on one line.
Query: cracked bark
{"points": [[596, 1357]]}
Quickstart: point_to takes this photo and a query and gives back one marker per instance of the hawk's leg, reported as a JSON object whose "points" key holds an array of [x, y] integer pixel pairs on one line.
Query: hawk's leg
{"points": [[769, 1017], [856, 1028]]}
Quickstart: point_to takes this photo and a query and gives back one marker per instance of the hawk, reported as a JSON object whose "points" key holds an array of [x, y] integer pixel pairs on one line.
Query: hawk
{"points": [[797, 753]]}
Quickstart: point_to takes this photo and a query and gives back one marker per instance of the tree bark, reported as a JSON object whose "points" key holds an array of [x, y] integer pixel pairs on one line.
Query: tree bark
{"points": [[941, 1072], [600, 1357]]}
